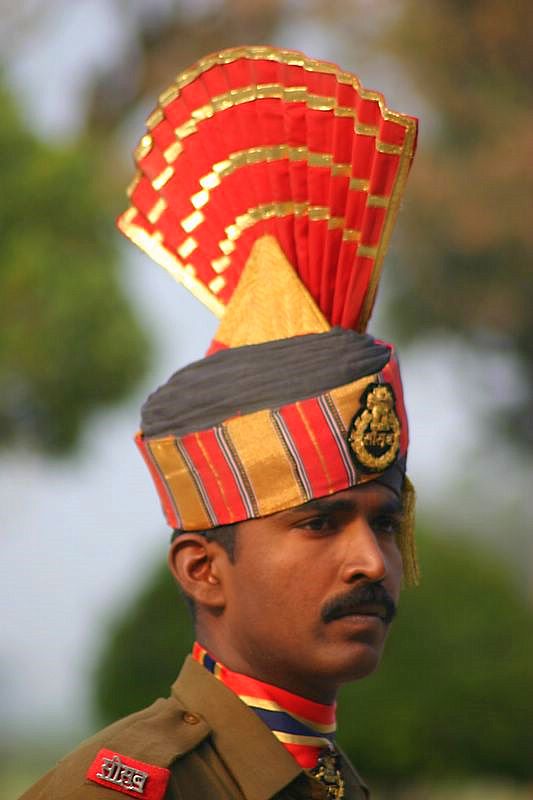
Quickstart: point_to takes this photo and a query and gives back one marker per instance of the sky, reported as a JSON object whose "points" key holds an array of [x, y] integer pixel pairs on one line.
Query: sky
{"points": [[79, 534]]}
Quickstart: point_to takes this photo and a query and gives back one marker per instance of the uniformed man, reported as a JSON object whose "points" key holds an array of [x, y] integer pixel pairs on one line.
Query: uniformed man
{"points": [[268, 183]]}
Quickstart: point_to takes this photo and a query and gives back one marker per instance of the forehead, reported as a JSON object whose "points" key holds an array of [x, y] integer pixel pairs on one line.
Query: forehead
{"points": [[368, 498], [357, 498]]}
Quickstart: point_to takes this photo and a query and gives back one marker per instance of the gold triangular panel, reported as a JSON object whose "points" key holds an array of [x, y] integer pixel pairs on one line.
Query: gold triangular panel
{"points": [[270, 301]]}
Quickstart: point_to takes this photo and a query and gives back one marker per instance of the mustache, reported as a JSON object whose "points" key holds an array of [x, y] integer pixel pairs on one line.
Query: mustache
{"points": [[357, 602]]}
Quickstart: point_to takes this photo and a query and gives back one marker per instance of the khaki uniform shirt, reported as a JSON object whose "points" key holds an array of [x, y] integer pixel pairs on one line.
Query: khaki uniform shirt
{"points": [[215, 747]]}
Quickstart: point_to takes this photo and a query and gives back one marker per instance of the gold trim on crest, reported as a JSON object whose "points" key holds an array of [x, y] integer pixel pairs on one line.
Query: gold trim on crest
{"points": [[183, 273]]}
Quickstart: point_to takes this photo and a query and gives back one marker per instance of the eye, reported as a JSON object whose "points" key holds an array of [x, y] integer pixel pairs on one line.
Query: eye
{"points": [[323, 523], [388, 524]]}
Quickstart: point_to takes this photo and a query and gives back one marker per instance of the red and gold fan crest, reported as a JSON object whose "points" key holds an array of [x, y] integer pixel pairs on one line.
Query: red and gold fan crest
{"points": [[257, 141], [268, 184]]}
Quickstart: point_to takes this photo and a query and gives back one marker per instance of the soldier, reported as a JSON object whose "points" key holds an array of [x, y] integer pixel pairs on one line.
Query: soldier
{"points": [[268, 184]]}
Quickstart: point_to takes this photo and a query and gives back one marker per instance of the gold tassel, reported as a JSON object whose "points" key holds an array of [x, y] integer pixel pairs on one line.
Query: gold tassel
{"points": [[406, 538]]}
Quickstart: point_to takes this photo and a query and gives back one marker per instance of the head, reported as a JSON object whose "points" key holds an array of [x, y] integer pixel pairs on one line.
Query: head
{"points": [[302, 598], [288, 481]]}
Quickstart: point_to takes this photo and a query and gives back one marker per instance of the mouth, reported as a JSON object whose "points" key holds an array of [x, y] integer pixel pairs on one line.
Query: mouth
{"points": [[369, 603], [362, 612]]}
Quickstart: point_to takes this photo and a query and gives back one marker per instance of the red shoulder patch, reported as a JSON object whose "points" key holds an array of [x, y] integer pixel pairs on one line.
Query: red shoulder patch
{"points": [[129, 776]]}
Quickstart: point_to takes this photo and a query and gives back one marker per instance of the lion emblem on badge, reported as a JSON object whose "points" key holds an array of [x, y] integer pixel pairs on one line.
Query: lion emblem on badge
{"points": [[374, 434]]}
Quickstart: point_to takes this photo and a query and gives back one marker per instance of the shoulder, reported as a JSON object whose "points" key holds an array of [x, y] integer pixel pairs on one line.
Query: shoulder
{"points": [[355, 785], [138, 748]]}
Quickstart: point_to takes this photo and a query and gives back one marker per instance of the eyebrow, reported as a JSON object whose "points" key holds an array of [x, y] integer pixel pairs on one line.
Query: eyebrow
{"points": [[325, 505], [392, 506]]}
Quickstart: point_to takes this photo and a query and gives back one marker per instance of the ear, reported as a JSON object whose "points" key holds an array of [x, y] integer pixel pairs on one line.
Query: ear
{"points": [[194, 563]]}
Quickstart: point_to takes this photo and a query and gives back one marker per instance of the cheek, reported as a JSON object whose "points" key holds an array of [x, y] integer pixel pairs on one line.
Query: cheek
{"points": [[301, 586], [394, 570], [281, 588], [257, 584]]}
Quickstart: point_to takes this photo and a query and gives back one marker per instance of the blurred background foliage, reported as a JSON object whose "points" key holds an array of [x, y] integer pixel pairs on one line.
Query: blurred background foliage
{"points": [[467, 238], [70, 341], [453, 694]]}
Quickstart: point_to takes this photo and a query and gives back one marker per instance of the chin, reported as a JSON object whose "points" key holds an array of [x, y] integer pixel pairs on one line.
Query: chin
{"points": [[355, 662]]}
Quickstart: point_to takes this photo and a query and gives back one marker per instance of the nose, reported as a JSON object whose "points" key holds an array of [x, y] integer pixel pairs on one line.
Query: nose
{"points": [[363, 557]]}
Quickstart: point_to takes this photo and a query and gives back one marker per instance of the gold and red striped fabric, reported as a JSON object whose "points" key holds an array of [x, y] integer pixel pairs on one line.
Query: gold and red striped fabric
{"points": [[257, 140], [263, 462]]}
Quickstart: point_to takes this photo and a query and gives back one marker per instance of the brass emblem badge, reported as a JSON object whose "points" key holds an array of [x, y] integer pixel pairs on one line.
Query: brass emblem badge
{"points": [[328, 773], [374, 434]]}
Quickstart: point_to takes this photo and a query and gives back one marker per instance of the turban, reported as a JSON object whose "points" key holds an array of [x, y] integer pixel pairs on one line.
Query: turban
{"points": [[268, 184]]}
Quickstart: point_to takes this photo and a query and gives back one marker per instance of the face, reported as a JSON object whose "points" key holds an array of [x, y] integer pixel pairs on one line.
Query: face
{"points": [[309, 597]]}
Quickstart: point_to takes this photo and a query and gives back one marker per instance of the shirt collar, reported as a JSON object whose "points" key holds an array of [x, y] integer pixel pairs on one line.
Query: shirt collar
{"points": [[259, 763]]}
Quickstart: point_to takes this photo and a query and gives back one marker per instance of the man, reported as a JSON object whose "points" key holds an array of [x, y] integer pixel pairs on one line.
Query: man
{"points": [[268, 183]]}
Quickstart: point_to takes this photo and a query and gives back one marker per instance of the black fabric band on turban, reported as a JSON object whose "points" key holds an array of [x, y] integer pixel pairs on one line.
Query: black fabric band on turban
{"points": [[241, 380], [394, 476]]}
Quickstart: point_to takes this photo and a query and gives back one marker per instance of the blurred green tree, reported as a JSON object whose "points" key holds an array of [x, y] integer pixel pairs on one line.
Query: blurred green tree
{"points": [[454, 694], [69, 339], [455, 691], [144, 648]]}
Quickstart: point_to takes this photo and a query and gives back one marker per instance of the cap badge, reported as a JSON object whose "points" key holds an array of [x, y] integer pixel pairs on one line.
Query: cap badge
{"points": [[374, 434]]}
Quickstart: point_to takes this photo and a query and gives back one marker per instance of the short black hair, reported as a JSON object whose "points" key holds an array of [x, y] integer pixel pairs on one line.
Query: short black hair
{"points": [[225, 536]]}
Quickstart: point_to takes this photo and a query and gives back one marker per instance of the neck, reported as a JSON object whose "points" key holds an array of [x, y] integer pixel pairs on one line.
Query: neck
{"points": [[304, 727], [272, 672]]}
